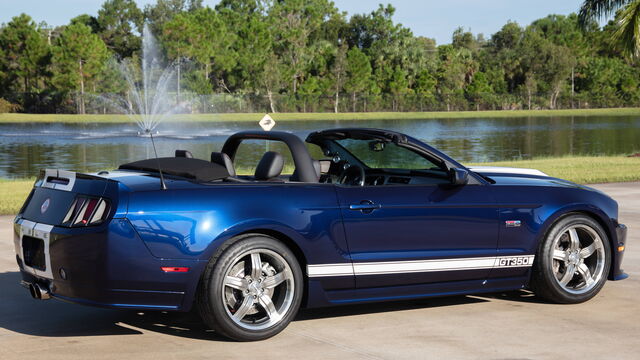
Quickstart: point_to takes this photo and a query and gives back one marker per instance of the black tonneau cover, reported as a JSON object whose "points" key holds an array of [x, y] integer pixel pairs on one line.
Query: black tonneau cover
{"points": [[196, 169]]}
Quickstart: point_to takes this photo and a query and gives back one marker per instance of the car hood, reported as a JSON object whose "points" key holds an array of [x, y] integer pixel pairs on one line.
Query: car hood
{"points": [[506, 170], [525, 177]]}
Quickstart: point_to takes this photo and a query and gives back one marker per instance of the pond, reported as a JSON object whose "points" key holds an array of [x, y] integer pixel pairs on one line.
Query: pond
{"points": [[26, 148]]}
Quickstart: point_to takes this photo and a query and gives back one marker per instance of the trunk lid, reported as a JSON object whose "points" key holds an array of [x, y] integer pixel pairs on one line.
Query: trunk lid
{"points": [[58, 195]]}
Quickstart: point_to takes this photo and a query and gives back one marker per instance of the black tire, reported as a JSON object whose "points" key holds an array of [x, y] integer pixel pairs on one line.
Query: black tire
{"points": [[220, 313], [547, 273]]}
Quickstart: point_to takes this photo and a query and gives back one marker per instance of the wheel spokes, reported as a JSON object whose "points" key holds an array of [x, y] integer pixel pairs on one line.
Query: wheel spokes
{"points": [[574, 239], [277, 279], [246, 305], [258, 289], [560, 255], [578, 258], [235, 282], [589, 250], [256, 266], [267, 304], [568, 275], [585, 273]]}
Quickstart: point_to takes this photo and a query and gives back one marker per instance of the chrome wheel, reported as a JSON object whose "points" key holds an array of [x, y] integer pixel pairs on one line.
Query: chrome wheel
{"points": [[258, 289], [578, 259]]}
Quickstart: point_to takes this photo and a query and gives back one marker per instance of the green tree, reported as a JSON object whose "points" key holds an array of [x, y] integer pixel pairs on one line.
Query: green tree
{"points": [[466, 40], [479, 89], [25, 55], [310, 91], [163, 11], [246, 19], [79, 56], [271, 78], [425, 88], [339, 74], [398, 86], [88, 20], [504, 53], [120, 22], [201, 35], [547, 65], [358, 74], [454, 73], [627, 34], [294, 23]]}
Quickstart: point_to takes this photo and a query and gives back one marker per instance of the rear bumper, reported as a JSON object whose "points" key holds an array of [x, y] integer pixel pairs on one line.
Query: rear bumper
{"points": [[107, 266], [616, 271]]}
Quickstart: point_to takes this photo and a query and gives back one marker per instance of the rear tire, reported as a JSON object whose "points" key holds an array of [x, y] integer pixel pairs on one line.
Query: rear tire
{"points": [[251, 290], [573, 261]]}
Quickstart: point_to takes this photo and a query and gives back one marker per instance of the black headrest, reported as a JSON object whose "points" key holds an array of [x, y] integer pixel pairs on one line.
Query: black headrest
{"points": [[223, 159], [184, 153], [316, 167], [270, 166]]}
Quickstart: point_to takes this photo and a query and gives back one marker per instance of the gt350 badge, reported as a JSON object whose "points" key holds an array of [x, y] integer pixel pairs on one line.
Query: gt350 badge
{"points": [[514, 261]]}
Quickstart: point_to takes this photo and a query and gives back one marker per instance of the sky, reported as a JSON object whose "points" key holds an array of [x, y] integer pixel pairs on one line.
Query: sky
{"points": [[431, 18]]}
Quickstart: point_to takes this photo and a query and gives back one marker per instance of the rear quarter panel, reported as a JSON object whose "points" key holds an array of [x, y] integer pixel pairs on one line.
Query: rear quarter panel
{"points": [[193, 223]]}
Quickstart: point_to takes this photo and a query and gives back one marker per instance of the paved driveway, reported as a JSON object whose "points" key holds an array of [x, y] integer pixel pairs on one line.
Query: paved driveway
{"points": [[497, 326]]}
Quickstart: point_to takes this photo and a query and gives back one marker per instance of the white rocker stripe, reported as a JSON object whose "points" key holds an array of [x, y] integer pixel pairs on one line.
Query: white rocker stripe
{"points": [[330, 270], [415, 266]]}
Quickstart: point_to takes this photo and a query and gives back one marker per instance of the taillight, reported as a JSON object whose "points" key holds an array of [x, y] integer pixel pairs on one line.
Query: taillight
{"points": [[87, 211]]}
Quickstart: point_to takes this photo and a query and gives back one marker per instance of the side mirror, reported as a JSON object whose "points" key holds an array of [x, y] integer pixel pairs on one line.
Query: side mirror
{"points": [[459, 176]]}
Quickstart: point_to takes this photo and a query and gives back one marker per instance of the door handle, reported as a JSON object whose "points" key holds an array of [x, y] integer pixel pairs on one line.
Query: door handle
{"points": [[365, 206]]}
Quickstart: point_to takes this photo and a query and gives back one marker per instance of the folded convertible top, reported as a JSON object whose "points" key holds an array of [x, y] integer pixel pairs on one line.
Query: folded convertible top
{"points": [[197, 169]]}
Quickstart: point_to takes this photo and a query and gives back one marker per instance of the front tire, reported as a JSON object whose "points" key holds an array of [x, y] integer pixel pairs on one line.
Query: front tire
{"points": [[573, 261], [251, 290]]}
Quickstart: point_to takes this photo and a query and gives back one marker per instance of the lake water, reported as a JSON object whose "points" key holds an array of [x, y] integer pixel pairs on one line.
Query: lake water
{"points": [[26, 148]]}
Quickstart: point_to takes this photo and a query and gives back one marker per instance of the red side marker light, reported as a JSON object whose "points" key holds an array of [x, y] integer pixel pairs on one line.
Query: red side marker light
{"points": [[169, 269]]}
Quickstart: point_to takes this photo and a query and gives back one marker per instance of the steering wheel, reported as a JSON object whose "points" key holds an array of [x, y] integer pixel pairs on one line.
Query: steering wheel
{"points": [[353, 175]]}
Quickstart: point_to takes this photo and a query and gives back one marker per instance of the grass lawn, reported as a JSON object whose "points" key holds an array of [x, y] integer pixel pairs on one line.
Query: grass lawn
{"points": [[12, 195], [67, 118], [580, 169]]}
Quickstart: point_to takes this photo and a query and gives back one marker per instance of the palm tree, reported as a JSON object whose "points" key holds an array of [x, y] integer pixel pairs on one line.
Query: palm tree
{"points": [[627, 34]]}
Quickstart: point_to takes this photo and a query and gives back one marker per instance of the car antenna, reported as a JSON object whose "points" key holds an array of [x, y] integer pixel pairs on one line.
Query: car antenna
{"points": [[163, 185]]}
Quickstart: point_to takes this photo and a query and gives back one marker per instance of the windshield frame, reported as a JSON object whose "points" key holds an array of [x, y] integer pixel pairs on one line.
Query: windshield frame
{"points": [[345, 154]]}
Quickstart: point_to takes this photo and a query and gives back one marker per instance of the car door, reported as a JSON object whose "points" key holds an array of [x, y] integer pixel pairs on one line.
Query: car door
{"points": [[419, 234]]}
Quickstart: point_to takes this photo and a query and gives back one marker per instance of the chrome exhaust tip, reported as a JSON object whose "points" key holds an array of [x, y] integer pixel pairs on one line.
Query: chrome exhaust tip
{"points": [[32, 291], [39, 292]]}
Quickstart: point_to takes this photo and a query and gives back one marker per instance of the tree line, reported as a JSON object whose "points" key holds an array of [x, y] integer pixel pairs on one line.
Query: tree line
{"points": [[307, 55]]}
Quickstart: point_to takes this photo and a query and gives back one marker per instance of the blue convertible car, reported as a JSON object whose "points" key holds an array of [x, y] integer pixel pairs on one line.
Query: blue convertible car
{"points": [[378, 216]]}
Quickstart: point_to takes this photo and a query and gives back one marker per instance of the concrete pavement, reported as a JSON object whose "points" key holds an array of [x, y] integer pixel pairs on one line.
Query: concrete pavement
{"points": [[497, 326]]}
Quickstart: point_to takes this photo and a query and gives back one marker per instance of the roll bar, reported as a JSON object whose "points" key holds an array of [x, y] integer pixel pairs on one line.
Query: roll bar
{"points": [[301, 158]]}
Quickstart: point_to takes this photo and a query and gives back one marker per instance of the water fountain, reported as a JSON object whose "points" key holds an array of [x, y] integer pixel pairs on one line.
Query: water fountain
{"points": [[148, 99]]}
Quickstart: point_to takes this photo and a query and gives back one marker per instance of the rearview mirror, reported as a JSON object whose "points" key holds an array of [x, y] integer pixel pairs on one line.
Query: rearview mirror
{"points": [[459, 176], [376, 145]]}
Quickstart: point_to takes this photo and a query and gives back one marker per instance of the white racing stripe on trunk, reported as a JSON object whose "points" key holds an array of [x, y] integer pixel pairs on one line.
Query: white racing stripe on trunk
{"points": [[63, 174], [43, 231], [415, 266]]}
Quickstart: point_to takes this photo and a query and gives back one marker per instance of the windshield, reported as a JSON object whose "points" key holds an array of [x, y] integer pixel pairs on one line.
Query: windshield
{"points": [[385, 155]]}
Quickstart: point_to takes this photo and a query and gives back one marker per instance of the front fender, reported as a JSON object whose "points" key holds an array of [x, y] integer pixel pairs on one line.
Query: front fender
{"points": [[608, 222]]}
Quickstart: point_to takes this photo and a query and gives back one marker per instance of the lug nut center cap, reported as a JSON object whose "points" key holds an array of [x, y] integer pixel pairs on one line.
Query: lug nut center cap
{"points": [[255, 288], [574, 257]]}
